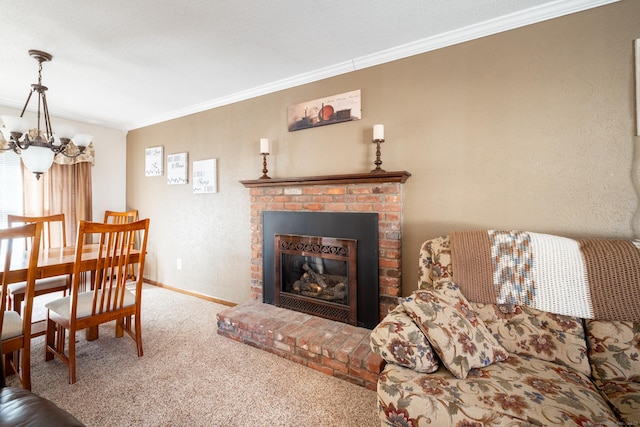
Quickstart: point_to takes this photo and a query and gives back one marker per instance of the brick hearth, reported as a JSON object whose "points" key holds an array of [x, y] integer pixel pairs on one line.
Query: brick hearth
{"points": [[334, 348], [331, 347]]}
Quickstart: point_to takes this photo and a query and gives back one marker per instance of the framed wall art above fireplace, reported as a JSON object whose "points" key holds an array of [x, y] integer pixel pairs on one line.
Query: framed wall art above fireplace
{"points": [[340, 108]]}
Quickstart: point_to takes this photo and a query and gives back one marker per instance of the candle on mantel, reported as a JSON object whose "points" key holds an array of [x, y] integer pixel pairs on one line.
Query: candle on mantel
{"points": [[264, 146], [378, 132]]}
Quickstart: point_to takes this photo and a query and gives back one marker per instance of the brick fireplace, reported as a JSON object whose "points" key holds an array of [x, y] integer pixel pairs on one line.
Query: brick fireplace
{"points": [[371, 192], [331, 347]]}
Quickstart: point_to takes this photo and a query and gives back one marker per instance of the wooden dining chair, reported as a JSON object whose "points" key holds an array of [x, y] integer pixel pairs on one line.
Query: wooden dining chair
{"points": [[122, 217], [113, 296], [114, 217], [16, 328], [53, 235]]}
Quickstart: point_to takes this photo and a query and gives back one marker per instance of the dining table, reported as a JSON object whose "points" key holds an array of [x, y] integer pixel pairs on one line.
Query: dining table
{"points": [[54, 262]]}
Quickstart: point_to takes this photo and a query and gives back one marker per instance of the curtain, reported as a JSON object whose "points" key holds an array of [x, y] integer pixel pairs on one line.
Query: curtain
{"points": [[62, 189]]}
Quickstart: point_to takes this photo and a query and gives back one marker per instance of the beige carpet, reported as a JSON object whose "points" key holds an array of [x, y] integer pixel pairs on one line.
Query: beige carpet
{"points": [[191, 376]]}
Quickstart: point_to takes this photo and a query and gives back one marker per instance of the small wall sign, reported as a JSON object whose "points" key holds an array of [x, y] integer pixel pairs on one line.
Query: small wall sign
{"points": [[205, 176], [177, 168], [153, 161]]}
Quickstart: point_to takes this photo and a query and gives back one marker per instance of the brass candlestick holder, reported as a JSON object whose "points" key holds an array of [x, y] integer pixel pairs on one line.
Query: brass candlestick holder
{"points": [[264, 167], [378, 162]]}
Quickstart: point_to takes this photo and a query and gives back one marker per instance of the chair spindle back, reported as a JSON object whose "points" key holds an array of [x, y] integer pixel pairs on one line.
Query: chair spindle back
{"points": [[53, 228]]}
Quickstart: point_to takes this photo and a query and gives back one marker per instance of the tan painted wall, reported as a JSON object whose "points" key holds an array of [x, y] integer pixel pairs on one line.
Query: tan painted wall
{"points": [[530, 129]]}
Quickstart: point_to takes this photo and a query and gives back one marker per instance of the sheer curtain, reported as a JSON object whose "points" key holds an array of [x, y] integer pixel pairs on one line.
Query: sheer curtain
{"points": [[62, 189]]}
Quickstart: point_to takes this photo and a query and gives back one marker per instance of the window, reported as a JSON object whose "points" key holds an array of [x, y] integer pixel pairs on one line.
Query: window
{"points": [[10, 186]]}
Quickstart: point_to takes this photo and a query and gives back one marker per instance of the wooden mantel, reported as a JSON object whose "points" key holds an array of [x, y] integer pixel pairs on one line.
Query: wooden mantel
{"points": [[354, 178]]}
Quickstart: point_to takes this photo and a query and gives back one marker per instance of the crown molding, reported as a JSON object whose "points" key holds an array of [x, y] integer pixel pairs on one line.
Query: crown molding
{"points": [[487, 28], [508, 22], [300, 79]]}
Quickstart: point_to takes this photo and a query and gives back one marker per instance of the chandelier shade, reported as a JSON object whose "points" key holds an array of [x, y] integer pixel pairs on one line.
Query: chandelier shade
{"points": [[82, 139], [15, 124], [39, 149], [65, 131], [37, 158]]}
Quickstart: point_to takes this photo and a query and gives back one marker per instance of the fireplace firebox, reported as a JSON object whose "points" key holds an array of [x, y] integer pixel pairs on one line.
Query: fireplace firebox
{"points": [[322, 263], [317, 275]]}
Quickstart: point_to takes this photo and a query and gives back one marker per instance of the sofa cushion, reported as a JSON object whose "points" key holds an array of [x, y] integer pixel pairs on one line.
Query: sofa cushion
{"points": [[435, 262], [457, 335], [613, 349], [624, 398], [397, 339], [520, 391], [529, 332]]}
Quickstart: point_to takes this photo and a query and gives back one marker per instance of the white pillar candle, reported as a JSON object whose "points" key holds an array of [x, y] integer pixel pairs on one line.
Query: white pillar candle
{"points": [[264, 146], [378, 132]]}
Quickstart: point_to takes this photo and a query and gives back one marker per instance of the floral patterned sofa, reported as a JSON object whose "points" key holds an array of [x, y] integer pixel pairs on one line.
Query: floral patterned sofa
{"points": [[457, 357]]}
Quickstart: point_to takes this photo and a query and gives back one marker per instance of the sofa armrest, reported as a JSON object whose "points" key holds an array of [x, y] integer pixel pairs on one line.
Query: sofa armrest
{"points": [[20, 407], [435, 262]]}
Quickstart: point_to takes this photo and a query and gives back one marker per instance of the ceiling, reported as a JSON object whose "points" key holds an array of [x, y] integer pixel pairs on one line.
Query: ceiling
{"points": [[126, 64]]}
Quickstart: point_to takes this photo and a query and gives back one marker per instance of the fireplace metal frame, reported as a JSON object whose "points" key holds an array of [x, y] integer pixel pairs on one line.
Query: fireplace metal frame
{"points": [[360, 226]]}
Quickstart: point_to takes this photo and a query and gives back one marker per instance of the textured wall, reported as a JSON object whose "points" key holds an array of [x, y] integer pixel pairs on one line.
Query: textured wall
{"points": [[532, 129]]}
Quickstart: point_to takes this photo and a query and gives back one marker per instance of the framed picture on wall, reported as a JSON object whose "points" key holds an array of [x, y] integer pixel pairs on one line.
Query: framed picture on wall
{"points": [[154, 161], [177, 168], [205, 178], [333, 109]]}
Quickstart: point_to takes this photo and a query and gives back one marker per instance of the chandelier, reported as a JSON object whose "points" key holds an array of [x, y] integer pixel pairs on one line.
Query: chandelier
{"points": [[38, 147]]}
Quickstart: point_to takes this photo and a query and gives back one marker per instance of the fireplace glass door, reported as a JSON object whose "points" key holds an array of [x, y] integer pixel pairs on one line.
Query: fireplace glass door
{"points": [[317, 275]]}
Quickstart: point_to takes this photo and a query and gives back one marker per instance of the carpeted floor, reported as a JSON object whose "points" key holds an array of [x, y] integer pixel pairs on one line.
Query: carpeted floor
{"points": [[191, 376]]}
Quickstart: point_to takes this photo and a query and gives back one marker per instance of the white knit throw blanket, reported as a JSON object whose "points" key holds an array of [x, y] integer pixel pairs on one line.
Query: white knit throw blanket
{"points": [[588, 278]]}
